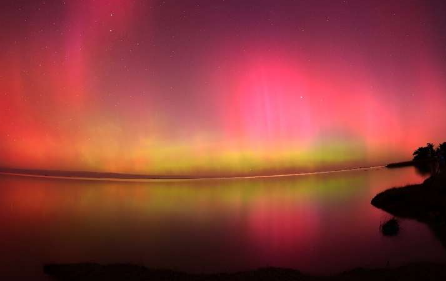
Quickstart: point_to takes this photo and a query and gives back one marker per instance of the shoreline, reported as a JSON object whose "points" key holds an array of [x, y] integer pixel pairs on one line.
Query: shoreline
{"points": [[424, 202], [409, 163], [99, 176]]}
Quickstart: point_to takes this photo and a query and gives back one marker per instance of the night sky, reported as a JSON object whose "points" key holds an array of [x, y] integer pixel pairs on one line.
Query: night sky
{"points": [[219, 87]]}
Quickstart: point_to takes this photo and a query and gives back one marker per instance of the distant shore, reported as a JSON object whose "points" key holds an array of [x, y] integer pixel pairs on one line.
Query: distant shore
{"points": [[108, 176], [129, 272], [407, 164], [104, 176]]}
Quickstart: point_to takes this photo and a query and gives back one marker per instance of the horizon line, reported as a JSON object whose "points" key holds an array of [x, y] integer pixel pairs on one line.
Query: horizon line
{"points": [[109, 176]]}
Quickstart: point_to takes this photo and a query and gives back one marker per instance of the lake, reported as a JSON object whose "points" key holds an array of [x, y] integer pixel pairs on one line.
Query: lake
{"points": [[320, 224]]}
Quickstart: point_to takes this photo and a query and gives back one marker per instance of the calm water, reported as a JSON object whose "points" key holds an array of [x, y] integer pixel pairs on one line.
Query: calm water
{"points": [[319, 224]]}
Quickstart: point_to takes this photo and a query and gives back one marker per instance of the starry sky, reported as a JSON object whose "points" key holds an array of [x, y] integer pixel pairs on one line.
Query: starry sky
{"points": [[221, 87]]}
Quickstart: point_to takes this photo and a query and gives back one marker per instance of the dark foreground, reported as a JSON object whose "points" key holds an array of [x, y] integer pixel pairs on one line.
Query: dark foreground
{"points": [[424, 202], [90, 272]]}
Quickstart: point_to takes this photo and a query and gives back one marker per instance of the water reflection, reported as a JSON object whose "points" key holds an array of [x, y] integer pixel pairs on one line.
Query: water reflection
{"points": [[319, 224]]}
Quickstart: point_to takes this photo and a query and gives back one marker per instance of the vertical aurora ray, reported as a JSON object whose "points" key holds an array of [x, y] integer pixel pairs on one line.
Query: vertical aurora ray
{"points": [[200, 87]]}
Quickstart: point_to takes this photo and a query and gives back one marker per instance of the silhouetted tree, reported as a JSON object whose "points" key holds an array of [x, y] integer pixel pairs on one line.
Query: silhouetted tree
{"points": [[441, 150], [424, 153], [441, 155]]}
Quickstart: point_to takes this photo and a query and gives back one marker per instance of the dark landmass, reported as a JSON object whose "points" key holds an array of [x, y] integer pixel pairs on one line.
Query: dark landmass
{"points": [[390, 227], [129, 272], [424, 202], [400, 164], [426, 158], [409, 163]]}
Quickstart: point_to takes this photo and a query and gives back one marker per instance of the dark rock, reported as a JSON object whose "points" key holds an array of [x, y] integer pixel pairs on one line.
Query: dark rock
{"points": [[390, 227]]}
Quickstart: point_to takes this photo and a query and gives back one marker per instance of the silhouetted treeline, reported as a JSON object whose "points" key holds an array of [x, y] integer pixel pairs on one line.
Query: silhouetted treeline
{"points": [[429, 152], [430, 159]]}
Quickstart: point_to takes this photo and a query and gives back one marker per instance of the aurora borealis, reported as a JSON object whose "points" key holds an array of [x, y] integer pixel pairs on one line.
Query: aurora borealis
{"points": [[219, 87]]}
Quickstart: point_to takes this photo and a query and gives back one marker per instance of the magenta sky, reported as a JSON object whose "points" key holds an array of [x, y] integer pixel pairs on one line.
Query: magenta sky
{"points": [[219, 87]]}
